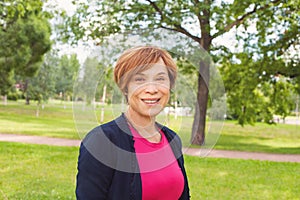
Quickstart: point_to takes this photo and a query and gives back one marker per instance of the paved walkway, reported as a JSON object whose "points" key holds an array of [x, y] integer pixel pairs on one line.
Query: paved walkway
{"points": [[30, 139], [189, 151]]}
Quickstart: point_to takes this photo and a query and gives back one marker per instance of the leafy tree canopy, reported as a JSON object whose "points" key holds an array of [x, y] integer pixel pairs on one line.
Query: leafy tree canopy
{"points": [[267, 45], [24, 38]]}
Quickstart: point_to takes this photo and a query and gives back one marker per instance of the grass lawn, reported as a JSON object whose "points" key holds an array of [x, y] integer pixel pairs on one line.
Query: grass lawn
{"points": [[37, 171], [46, 172], [279, 138], [242, 179], [53, 120], [56, 120]]}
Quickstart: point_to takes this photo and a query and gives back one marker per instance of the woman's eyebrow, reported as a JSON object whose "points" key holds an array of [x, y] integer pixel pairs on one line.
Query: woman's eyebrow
{"points": [[139, 73], [142, 74], [161, 73]]}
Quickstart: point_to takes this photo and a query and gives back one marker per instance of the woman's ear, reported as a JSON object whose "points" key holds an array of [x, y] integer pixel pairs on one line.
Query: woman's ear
{"points": [[125, 93]]}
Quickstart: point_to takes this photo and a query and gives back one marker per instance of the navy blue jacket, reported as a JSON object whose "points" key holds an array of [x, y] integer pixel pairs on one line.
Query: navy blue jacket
{"points": [[108, 167]]}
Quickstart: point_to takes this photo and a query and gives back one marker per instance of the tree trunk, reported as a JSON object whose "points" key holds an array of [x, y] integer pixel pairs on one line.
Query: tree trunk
{"points": [[27, 99], [198, 129], [5, 100], [103, 104], [104, 94], [26, 92], [176, 106], [37, 113]]}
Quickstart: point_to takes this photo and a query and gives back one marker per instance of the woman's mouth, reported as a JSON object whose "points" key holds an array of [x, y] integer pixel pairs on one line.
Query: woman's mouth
{"points": [[150, 101]]}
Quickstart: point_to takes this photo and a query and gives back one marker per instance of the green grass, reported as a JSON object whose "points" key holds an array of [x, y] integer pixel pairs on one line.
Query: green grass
{"points": [[37, 172], [53, 120], [279, 138], [242, 179], [56, 121]]}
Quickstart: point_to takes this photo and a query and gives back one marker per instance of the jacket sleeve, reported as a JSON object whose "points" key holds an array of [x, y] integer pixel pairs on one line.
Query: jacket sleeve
{"points": [[186, 192], [93, 177]]}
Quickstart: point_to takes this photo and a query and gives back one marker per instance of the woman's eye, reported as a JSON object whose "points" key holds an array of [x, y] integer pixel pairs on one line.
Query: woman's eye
{"points": [[138, 79], [161, 79]]}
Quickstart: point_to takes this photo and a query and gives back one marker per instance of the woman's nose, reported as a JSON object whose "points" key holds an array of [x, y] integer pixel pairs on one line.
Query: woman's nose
{"points": [[151, 88]]}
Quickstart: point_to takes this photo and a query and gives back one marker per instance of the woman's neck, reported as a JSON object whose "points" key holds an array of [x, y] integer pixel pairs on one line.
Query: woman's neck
{"points": [[140, 121], [145, 125]]}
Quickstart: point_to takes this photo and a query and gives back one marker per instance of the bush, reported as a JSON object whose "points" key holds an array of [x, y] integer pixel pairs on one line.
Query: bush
{"points": [[13, 96]]}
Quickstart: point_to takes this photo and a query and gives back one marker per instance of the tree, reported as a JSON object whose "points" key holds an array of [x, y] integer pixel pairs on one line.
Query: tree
{"points": [[89, 81], [24, 38], [67, 70], [270, 51], [202, 21], [42, 86], [282, 94], [256, 93]]}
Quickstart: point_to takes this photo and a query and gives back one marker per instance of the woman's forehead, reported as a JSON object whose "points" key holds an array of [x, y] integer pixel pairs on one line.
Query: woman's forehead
{"points": [[153, 69]]}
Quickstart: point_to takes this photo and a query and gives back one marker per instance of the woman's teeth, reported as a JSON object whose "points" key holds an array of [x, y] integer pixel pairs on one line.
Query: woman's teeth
{"points": [[150, 101]]}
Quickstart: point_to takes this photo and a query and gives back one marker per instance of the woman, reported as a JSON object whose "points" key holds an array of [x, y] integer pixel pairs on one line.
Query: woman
{"points": [[134, 157]]}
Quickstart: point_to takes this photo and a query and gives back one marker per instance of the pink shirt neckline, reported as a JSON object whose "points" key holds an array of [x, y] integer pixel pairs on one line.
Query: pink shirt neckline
{"points": [[137, 136], [161, 175]]}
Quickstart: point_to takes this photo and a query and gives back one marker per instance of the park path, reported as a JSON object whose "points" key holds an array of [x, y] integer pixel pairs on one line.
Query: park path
{"points": [[188, 151]]}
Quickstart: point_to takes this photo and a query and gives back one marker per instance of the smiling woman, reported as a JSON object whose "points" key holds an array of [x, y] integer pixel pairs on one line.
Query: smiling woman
{"points": [[133, 156], [138, 59], [148, 93]]}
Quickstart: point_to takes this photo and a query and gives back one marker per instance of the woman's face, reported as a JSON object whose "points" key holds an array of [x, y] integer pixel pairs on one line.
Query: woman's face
{"points": [[149, 91]]}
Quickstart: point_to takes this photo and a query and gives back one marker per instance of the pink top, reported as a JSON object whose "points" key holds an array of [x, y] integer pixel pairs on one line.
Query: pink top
{"points": [[161, 175]]}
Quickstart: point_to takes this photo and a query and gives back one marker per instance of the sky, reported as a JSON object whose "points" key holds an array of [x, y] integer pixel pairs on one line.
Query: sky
{"points": [[80, 50]]}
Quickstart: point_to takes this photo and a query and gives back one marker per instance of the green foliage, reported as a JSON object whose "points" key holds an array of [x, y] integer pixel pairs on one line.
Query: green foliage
{"points": [[6, 80], [25, 38], [86, 85], [269, 46], [13, 10], [185, 90], [42, 86], [66, 73], [12, 96], [273, 62], [253, 94], [95, 82]]}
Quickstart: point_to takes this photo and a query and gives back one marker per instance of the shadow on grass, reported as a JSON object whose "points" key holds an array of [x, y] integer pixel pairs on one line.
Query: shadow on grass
{"points": [[230, 142]]}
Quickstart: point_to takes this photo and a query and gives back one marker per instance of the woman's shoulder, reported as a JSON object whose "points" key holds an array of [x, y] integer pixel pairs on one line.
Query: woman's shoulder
{"points": [[112, 135], [113, 129], [168, 131], [170, 134]]}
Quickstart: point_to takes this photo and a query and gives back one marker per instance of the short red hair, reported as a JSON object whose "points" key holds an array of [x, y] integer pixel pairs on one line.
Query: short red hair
{"points": [[138, 59]]}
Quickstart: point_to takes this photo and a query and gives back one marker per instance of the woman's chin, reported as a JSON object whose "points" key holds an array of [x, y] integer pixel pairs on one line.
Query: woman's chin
{"points": [[154, 112]]}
